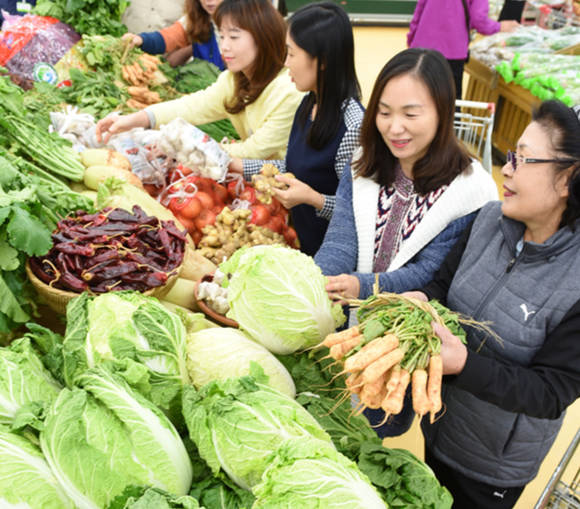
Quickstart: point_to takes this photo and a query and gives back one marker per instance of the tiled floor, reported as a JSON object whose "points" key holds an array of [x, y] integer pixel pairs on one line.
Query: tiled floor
{"points": [[373, 48]]}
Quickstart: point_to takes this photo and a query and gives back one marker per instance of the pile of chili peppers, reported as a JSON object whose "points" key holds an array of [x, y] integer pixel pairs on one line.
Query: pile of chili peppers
{"points": [[111, 250]]}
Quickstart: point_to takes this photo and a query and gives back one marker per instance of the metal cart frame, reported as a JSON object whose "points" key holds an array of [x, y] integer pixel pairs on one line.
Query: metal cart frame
{"points": [[558, 494], [473, 124]]}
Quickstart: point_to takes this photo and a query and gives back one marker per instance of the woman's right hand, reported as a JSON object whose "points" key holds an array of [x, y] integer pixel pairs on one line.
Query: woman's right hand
{"points": [[416, 295], [115, 124], [133, 39], [236, 166]]}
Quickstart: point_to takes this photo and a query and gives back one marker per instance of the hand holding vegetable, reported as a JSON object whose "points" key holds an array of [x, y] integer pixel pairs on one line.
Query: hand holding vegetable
{"points": [[179, 56], [453, 351], [132, 39], [297, 193], [343, 286], [236, 166], [415, 295], [115, 124]]}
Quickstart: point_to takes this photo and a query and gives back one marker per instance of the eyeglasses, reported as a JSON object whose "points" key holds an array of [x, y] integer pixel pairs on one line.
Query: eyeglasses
{"points": [[513, 159]]}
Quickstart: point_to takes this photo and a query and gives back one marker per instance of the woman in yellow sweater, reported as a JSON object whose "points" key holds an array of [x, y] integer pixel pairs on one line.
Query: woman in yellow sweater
{"points": [[255, 92]]}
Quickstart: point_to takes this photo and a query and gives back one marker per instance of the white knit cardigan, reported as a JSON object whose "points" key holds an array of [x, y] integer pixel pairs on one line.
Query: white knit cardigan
{"points": [[468, 192]]}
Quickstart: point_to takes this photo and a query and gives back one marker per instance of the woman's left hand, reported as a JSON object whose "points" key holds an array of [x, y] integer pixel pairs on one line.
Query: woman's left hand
{"points": [[453, 351], [343, 286], [297, 193]]}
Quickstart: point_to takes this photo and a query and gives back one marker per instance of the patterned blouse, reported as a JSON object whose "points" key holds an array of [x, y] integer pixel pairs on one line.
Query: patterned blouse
{"points": [[400, 210]]}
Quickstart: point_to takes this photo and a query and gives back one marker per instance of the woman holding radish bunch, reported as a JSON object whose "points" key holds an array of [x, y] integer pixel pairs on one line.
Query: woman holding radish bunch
{"points": [[517, 268], [410, 192], [325, 132], [255, 92]]}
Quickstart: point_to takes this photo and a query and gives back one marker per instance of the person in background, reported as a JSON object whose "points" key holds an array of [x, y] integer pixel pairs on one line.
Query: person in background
{"points": [[194, 34], [255, 92], [517, 268], [512, 9], [409, 193], [444, 25], [326, 127]]}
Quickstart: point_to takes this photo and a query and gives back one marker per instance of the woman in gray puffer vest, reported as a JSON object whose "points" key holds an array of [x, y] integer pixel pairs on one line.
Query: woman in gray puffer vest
{"points": [[518, 267]]}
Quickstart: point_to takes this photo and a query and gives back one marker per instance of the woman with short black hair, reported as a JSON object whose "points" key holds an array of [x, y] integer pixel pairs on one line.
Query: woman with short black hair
{"points": [[517, 268]]}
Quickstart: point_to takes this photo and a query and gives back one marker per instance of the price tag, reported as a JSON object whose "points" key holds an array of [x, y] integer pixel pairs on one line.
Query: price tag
{"points": [[23, 7]]}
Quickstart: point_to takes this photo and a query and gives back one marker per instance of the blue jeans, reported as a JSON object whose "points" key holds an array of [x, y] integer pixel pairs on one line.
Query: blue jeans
{"points": [[396, 424]]}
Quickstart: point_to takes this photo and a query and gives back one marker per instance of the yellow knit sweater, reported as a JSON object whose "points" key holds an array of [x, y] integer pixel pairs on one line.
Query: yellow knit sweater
{"points": [[264, 126]]}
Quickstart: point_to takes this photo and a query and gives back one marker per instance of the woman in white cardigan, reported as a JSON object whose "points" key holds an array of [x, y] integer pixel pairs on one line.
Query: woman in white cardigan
{"points": [[409, 195], [412, 188]]}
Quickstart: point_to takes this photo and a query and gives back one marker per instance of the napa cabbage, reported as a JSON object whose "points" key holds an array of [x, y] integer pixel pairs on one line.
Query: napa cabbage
{"points": [[219, 353], [277, 295], [26, 481], [137, 335], [102, 436], [306, 473], [26, 387], [237, 423]]}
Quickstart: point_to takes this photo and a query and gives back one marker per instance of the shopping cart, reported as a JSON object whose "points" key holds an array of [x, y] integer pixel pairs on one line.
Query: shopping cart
{"points": [[474, 126], [558, 494]]}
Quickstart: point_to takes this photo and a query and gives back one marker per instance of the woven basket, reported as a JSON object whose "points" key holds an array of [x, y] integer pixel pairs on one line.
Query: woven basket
{"points": [[58, 299]]}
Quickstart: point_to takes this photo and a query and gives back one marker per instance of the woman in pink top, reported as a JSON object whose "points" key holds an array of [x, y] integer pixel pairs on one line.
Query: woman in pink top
{"points": [[442, 25]]}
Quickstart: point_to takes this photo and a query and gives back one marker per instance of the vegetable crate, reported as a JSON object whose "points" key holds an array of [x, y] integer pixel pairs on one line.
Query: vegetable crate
{"points": [[473, 124], [557, 494]]}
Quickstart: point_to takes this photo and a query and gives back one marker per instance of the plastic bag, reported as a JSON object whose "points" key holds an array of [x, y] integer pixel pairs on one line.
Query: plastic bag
{"points": [[78, 128], [139, 146], [31, 46], [194, 149]]}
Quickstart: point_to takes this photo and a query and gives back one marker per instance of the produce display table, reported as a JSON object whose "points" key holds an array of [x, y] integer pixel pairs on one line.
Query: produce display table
{"points": [[514, 103]]}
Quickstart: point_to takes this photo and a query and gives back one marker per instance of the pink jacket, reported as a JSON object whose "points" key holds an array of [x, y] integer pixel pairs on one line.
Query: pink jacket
{"points": [[441, 25]]}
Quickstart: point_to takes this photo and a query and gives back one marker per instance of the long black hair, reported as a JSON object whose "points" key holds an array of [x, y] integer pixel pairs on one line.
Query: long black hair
{"points": [[563, 125], [323, 30]]}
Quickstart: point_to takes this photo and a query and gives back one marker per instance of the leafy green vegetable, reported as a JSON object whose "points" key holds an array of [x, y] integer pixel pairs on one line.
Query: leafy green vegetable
{"points": [[94, 93], [102, 437], [93, 17], [322, 393], [143, 497], [138, 336], [219, 353], [403, 480], [26, 387], [25, 478], [31, 203], [305, 473], [237, 423], [277, 295], [348, 431], [221, 493]]}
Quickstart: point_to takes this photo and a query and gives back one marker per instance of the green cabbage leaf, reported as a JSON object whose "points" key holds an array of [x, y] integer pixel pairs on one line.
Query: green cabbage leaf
{"points": [[237, 423], [102, 436], [222, 352], [26, 481], [26, 387], [144, 341], [306, 473], [277, 295]]}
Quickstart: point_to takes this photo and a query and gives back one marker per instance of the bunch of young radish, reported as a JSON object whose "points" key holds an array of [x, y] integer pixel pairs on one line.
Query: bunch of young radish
{"points": [[393, 346]]}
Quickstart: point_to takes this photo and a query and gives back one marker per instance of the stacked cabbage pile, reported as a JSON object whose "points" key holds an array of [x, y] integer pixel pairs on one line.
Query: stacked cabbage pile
{"points": [[141, 407]]}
